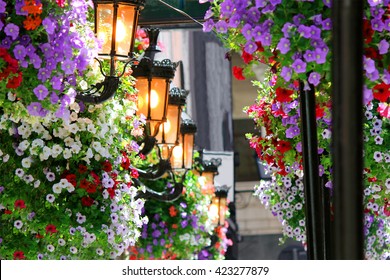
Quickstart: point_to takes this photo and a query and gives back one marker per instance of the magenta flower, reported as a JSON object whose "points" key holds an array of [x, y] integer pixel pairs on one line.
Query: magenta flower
{"points": [[41, 92]]}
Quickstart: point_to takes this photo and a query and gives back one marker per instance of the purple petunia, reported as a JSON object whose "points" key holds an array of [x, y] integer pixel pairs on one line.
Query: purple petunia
{"points": [[20, 52], [41, 92], [292, 131], [383, 46], [314, 78], [12, 30], [283, 45], [247, 31], [49, 25], [250, 47], [36, 109], [299, 66], [286, 73], [221, 26]]}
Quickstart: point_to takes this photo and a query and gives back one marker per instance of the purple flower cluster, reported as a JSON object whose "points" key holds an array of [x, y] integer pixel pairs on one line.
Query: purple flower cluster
{"points": [[56, 61]]}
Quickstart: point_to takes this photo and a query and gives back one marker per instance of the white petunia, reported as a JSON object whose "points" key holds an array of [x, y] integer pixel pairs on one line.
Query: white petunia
{"points": [[26, 162]]}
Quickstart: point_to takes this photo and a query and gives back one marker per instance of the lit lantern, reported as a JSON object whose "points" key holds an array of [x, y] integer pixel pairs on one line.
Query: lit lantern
{"points": [[153, 82], [115, 26], [168, 134], [218, 206], [182, 154]]}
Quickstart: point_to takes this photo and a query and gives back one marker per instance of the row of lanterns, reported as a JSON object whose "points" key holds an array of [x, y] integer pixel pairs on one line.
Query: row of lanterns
{"points": [[167, 126]]}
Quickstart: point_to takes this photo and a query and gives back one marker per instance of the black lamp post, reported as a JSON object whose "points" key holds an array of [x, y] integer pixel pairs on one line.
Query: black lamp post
{"points": [[115, 25]]}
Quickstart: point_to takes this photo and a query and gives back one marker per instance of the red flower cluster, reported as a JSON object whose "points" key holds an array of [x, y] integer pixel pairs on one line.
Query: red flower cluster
{"points": [[237, 73], [381, 92], [11, 71], [283, 95], [50, 228], [20, 204]]}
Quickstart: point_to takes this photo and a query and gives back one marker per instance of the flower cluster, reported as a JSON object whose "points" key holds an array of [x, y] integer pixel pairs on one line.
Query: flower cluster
{"points": [[178, 229], [46, 47], [293, 38], [66, 191]]}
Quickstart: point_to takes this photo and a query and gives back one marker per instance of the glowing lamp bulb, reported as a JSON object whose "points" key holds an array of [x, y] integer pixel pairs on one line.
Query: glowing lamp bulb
{"points": [[120, 31], [153, 99]]}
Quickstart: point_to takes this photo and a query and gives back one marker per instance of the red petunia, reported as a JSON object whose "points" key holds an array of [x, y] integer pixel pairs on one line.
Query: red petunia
{"points": [[247, 57], [320, 112], [260, 47], [20, 204], [19, 255], [84, 184], [381, 92], [91, 188], [87, 201], [106, 166], [95, 178], [71, 179], [82, 169], [125, 162], [283, 95], [15, 81], [367, 31], [237, 73], [134, 173], [50, 228], [283, 146]]}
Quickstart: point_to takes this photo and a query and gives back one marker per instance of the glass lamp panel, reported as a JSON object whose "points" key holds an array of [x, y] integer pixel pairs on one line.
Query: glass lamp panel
{"points": [[188, 150], [209, 176], [142, 85], [159, 99], [214, 210], [168, 132], [104, 24], [177, 157], [222, 210], [125, 29]]}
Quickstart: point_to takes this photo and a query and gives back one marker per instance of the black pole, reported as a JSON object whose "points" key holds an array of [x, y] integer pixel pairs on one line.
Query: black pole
{"points": [[347, 136], [313, 191]]}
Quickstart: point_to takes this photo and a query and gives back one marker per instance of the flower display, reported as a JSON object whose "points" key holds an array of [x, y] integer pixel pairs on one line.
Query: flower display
{"points": [[180, 229], [294, 39], [66, 191]]}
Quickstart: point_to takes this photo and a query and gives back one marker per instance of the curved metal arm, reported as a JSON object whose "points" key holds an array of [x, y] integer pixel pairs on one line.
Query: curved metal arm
{"points": [[168, 195], [107, 88], [156, 171]]}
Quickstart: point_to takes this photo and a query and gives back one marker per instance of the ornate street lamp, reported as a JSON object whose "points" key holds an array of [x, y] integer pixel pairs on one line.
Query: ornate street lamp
{"points": [[208, 169], [115, 25], [218, 205], [176, 166], [153, 82], [182, 154], [167, 137]]}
